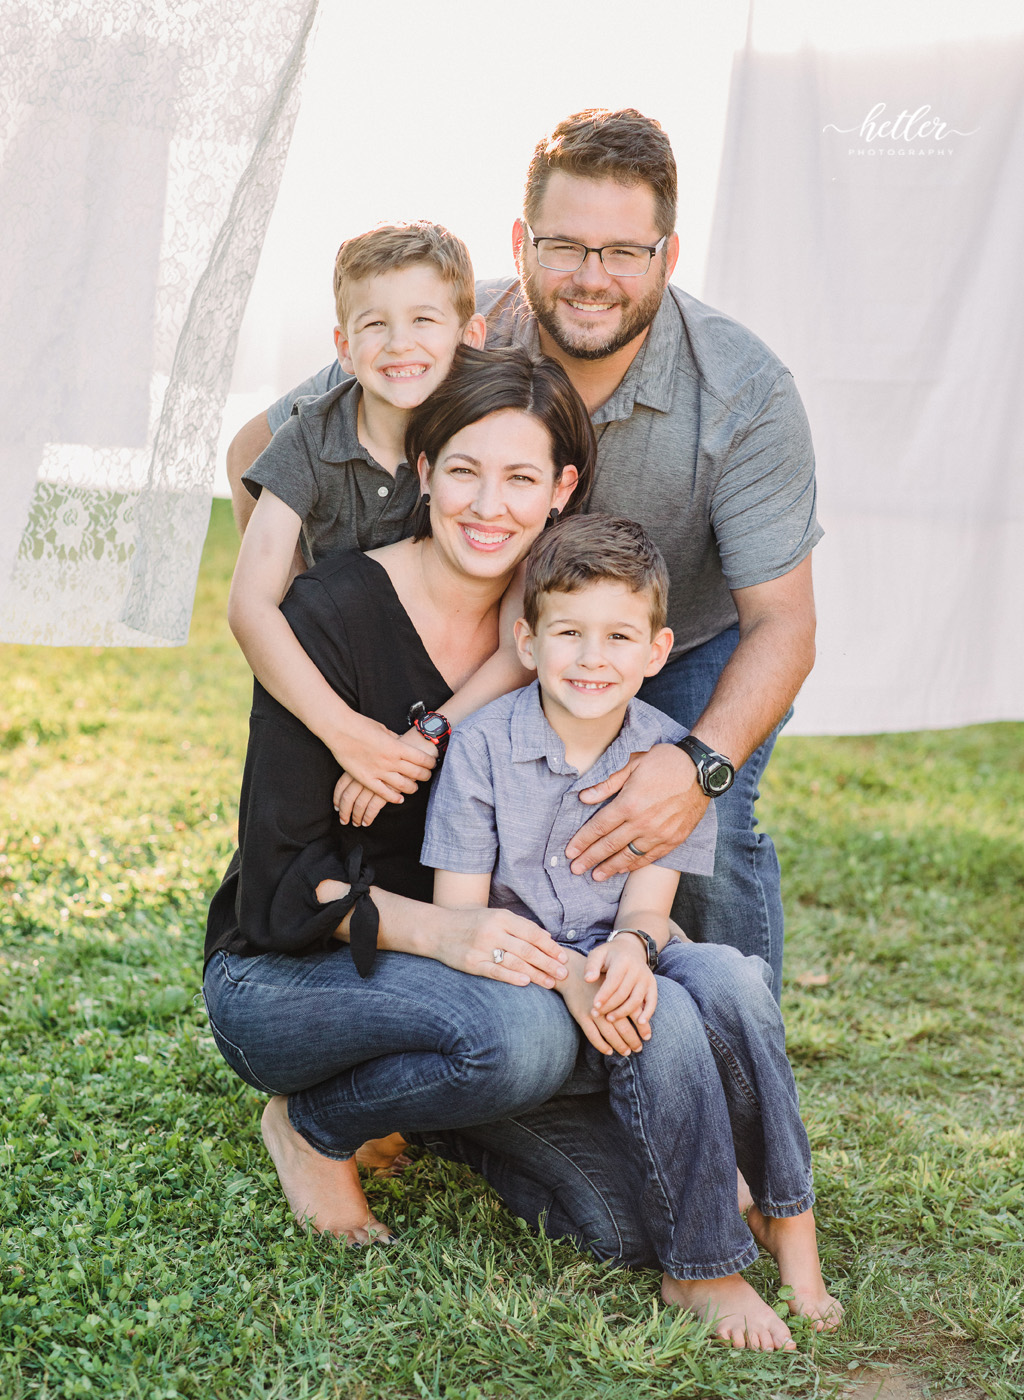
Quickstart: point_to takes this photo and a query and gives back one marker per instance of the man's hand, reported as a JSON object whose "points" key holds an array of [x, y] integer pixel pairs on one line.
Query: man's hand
{"points": [[630, 989], [610, 1037], [357, 805], [659, 803], [379, 760]]}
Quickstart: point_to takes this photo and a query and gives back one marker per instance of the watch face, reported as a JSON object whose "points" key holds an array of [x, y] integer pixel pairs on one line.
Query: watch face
{"points": [[434, 726], [718, 777]]}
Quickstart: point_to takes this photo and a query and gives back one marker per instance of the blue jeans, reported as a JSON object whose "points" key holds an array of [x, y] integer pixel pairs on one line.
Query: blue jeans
{"points": [[636, 1158], [415, 1047], [741, 903]]}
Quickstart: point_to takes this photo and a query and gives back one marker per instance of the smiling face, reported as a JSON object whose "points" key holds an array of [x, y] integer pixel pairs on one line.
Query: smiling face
{"points": [[400, 334], [592, 650], [587, 313], [491, 489]]}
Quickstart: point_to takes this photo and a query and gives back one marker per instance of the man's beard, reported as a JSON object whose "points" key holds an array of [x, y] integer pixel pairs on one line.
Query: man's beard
{"points": [[636, 317]]}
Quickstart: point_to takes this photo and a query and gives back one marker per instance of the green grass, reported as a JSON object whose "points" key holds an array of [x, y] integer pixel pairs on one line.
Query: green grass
{"points": [[145, 1249]]}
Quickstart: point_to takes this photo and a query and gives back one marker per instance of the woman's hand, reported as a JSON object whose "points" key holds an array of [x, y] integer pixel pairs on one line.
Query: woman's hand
{"points": [[529, 954], [356, 800]]}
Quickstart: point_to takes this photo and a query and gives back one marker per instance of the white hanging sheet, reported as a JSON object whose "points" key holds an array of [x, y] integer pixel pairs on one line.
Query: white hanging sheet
{"points": [[141, 147], [870, 227]]}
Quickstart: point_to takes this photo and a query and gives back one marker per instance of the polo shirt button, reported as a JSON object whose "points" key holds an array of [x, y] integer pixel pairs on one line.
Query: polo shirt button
{"points": [[553, 860], [382, 490], [571, 935]]}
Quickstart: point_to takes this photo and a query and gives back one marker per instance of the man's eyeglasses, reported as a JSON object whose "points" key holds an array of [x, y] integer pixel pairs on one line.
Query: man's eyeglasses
{"points": [[618, 259]]}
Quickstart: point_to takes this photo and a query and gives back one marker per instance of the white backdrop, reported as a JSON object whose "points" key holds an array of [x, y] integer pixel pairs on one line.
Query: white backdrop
{"points": [[880, 255], [140, 148]]}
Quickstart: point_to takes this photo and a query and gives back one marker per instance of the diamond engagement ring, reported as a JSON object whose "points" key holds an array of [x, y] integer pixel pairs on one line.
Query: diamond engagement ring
{"points": [[498, 955], [631, 847]]}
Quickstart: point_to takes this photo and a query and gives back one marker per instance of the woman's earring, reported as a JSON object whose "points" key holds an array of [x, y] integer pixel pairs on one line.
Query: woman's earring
{"points": [[425, 499], [553, 515]]}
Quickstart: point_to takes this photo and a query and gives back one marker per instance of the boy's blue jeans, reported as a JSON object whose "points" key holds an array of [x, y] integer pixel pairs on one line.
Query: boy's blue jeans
{"points": [[635, 1158], [741, 903]]}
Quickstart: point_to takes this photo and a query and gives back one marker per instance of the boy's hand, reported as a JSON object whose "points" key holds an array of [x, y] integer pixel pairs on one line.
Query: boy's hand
{"points": [[380, 764], [630, 988], [610, 1037]]}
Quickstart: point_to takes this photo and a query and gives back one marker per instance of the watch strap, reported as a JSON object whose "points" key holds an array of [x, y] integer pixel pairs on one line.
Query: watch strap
{"points": [[646, 940]]}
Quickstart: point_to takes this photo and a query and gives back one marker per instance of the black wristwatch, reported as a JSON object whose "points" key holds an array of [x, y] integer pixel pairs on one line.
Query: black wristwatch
{"points": [[431, 724], [645, 938], [715, 772]]}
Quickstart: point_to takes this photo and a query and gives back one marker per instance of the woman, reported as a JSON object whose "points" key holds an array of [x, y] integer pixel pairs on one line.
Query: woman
{"points": [[426, 1021]]}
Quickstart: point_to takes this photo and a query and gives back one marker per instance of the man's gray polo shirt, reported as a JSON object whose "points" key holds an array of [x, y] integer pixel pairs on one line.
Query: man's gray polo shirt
{"points": [[316, 464], [705, 443], [506, 803]]}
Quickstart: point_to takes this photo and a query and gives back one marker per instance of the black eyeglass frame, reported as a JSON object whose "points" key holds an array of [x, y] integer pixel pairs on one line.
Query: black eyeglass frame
{"points": [[641, 247]]}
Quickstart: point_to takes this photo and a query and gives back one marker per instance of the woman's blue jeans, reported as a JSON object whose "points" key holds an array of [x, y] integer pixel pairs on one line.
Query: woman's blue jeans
{"points": [[636, 1158], [741, 903], [416, 1047]]}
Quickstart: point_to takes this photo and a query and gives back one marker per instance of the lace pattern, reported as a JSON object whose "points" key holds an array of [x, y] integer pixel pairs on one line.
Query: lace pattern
{"points": [[141, 148]]}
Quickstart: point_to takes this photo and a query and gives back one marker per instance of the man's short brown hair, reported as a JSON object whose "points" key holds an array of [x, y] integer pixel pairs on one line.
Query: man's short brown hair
{"points": [[390, 246], [599, 145], [588, 549]]}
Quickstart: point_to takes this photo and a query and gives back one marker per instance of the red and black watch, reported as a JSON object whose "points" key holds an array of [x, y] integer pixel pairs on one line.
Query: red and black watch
{"points": [[432, 725]]}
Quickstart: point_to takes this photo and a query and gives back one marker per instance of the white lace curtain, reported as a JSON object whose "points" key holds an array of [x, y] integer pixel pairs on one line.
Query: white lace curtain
{"points": [[141, 147], [870, 227]]}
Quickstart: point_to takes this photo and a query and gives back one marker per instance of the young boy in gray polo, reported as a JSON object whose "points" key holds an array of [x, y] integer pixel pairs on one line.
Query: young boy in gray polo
{"points": [[705, 1084]]}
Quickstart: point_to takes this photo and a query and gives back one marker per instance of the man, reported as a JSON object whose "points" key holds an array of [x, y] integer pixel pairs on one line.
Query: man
{"points": [[701, 438]]}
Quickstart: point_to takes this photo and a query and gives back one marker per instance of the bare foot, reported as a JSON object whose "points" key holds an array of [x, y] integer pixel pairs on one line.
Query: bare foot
{"points": [[321, 1191], [384, 1156], [793, 1244], [738, 1315]]}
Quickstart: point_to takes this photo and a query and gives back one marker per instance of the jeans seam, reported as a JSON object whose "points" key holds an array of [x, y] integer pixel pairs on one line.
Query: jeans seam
{"points": [[722, 1048], [258, 1082], [577, 1168], [629, 1066]]}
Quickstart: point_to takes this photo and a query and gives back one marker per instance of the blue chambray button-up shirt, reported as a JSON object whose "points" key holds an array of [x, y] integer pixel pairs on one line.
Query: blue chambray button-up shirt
{"points": [[506, 803]]}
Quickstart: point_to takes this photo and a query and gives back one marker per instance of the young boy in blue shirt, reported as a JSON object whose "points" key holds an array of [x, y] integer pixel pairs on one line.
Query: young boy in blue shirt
{"points": [[715, 1089]]}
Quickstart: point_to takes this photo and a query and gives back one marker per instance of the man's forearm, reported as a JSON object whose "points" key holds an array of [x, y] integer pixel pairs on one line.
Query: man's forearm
{"points": [[757, 686], [772, 660]]}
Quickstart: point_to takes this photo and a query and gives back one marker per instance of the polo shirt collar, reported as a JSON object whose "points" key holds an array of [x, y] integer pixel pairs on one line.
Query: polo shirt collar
{"points": [[341, 434], [533, 738], [650, 378]]}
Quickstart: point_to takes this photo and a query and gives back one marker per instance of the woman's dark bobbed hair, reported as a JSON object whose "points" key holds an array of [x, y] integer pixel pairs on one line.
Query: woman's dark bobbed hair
{"points": [[481, 382]]}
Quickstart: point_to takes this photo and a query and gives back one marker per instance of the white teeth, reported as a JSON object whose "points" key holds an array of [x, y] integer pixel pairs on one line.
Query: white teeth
{"points": [[489, 538], [591, 305], [590, 685], [413, 373]]}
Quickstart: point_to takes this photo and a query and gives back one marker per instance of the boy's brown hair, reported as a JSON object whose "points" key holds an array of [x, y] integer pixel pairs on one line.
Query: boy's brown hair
{"points": [[588, 549], [600, 145], [388, 247]]}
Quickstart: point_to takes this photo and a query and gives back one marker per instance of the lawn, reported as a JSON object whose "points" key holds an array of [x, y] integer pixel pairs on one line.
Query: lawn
{"points": [[145, 1248]]}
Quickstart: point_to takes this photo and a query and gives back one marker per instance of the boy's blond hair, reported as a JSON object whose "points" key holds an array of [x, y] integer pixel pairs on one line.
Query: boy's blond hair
{"points": [[388, 247], [587, 549]]}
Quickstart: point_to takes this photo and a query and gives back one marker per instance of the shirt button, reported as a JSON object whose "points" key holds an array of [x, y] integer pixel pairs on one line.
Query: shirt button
{"points": [[571, 935], [382, 490], [553, 860]]}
